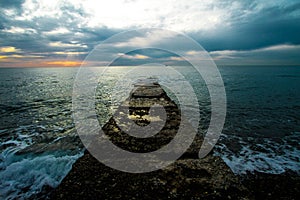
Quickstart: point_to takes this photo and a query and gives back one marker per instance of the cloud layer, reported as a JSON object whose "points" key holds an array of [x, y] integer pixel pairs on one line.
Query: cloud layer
{"points": [[234, 32]]}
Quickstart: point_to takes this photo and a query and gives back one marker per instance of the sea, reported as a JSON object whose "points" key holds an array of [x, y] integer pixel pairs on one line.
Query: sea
{"points": [[39, 142]]}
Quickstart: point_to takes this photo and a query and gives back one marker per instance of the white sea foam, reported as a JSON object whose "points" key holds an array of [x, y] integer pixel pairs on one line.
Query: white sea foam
{"points": [[25, 175], [272, 157]]}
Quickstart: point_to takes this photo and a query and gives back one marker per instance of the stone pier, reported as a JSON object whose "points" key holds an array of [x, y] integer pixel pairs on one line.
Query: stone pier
{"points": [[187, 178]]}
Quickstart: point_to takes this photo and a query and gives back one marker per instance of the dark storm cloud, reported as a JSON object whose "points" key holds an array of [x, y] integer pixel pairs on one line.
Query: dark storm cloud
{"points": [[253, 25], [270, 26], [37, 36], [11, 3], [151, 55], [273, 26]]}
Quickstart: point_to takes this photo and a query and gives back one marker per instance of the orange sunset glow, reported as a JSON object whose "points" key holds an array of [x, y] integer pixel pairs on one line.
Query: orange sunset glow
{"points": [[8, 61], [64, 63]]}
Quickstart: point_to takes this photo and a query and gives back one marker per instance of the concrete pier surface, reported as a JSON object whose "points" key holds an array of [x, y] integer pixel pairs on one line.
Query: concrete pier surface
{"points": [[187, 178]]}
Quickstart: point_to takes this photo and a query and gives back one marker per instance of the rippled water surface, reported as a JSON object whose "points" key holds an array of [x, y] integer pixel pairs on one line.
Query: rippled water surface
{"points": [[38, 142]]}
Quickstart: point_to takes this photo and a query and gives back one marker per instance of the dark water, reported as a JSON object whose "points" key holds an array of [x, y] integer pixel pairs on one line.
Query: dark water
{"points": [[35, 108], [262, 130], [38, 142]]}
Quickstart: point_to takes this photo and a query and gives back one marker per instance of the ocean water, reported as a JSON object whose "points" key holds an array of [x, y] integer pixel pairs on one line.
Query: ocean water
{"points": [[39, 144], [262, 129]]}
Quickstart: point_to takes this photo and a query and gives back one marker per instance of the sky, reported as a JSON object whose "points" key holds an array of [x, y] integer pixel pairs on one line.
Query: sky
{"points": [[46, 33]]}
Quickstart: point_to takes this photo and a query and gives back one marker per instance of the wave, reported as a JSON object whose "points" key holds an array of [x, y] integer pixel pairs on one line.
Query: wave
{"points": [[24, 176], [268, 156]]}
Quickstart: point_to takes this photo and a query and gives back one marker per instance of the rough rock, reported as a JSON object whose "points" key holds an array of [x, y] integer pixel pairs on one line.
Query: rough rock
{"points": [[187, 178]]}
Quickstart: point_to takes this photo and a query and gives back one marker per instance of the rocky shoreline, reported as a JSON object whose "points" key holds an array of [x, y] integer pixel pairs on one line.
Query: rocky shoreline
{"points": [[272, 186], [187, 178]]}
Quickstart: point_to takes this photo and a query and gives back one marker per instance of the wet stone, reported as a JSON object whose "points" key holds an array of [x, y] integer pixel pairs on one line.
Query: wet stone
{"points": [[187, 178]]}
